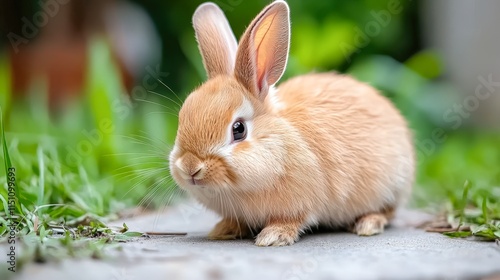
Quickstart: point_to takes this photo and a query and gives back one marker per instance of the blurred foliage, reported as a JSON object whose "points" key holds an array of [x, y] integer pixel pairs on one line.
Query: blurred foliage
{"points": [[106, 152], [101, 155]]}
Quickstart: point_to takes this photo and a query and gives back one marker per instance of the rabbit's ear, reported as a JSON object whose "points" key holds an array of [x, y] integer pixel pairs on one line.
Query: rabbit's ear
{"points": [[263, 50], [215, 39]]}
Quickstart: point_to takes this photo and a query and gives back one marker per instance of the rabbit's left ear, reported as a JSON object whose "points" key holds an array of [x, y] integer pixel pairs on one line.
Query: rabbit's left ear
{"points": [[215, 39], [263, 51]]}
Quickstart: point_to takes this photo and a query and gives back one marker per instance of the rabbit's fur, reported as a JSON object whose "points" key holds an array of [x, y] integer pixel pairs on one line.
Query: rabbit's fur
{"points": [[320, 149]]}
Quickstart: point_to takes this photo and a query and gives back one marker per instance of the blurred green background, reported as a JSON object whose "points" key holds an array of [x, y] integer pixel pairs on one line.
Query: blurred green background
{"points": [[89, 92]]}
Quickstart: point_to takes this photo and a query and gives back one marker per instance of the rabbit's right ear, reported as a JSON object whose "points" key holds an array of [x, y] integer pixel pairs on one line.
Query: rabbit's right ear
{"points": [[216, 40]]}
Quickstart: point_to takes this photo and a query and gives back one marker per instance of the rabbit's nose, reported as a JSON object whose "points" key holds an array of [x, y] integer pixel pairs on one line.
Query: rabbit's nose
{"points": [[190, 166], [196, 171]]}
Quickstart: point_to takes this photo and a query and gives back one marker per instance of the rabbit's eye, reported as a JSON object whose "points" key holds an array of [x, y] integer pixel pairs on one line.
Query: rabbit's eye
{"points": [[239, 131]]}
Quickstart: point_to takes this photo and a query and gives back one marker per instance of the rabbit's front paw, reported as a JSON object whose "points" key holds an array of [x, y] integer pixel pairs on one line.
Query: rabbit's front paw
{"points": [[370, 224], [277, 235]]}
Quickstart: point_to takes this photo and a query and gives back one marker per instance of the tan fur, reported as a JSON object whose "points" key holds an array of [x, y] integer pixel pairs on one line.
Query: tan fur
{"points": [[323, 149], [229, 228]]}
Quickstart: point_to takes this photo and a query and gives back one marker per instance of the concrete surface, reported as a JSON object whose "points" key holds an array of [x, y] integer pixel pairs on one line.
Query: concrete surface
{"points": [[402, 252]]}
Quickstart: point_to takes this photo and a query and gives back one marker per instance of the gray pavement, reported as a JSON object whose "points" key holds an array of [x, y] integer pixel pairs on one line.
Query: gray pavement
{"points": [[402, 252]]}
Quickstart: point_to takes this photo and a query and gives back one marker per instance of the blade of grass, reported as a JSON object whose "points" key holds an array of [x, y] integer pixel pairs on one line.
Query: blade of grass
{"points": [[5, 205], [460, 234], [484, 208], [41, 178], [465, 193], [6, 158], [5, 83]]}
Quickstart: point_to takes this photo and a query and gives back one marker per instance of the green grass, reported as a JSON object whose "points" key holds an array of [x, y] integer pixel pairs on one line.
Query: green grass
{"points": [[478, 215], [461, 180], [79, 170]]}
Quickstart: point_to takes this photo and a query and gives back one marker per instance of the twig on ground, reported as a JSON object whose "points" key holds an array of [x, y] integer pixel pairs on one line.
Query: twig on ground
{"points": [[165, 233]]}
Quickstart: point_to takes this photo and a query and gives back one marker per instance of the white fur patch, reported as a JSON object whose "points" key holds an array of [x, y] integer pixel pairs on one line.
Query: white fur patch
{"points": [[274, 237], [172, 155], [275, 103]]}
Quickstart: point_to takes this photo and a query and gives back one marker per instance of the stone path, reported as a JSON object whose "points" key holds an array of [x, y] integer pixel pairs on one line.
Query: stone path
{"points": [[402, 252]]}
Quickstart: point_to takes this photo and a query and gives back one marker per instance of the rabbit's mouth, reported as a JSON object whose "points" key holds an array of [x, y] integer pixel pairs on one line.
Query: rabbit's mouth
{"points": [[196, 182]]}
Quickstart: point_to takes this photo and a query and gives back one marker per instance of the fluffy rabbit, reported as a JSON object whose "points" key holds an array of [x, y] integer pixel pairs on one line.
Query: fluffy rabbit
{"points": [[321, 149]]}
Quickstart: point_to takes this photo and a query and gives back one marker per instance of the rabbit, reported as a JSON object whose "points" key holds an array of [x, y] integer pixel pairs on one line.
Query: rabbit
{"points": [[321, 149]]}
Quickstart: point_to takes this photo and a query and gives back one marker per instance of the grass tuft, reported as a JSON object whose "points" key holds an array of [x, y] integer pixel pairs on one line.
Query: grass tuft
{"points": [[79, 170]]}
